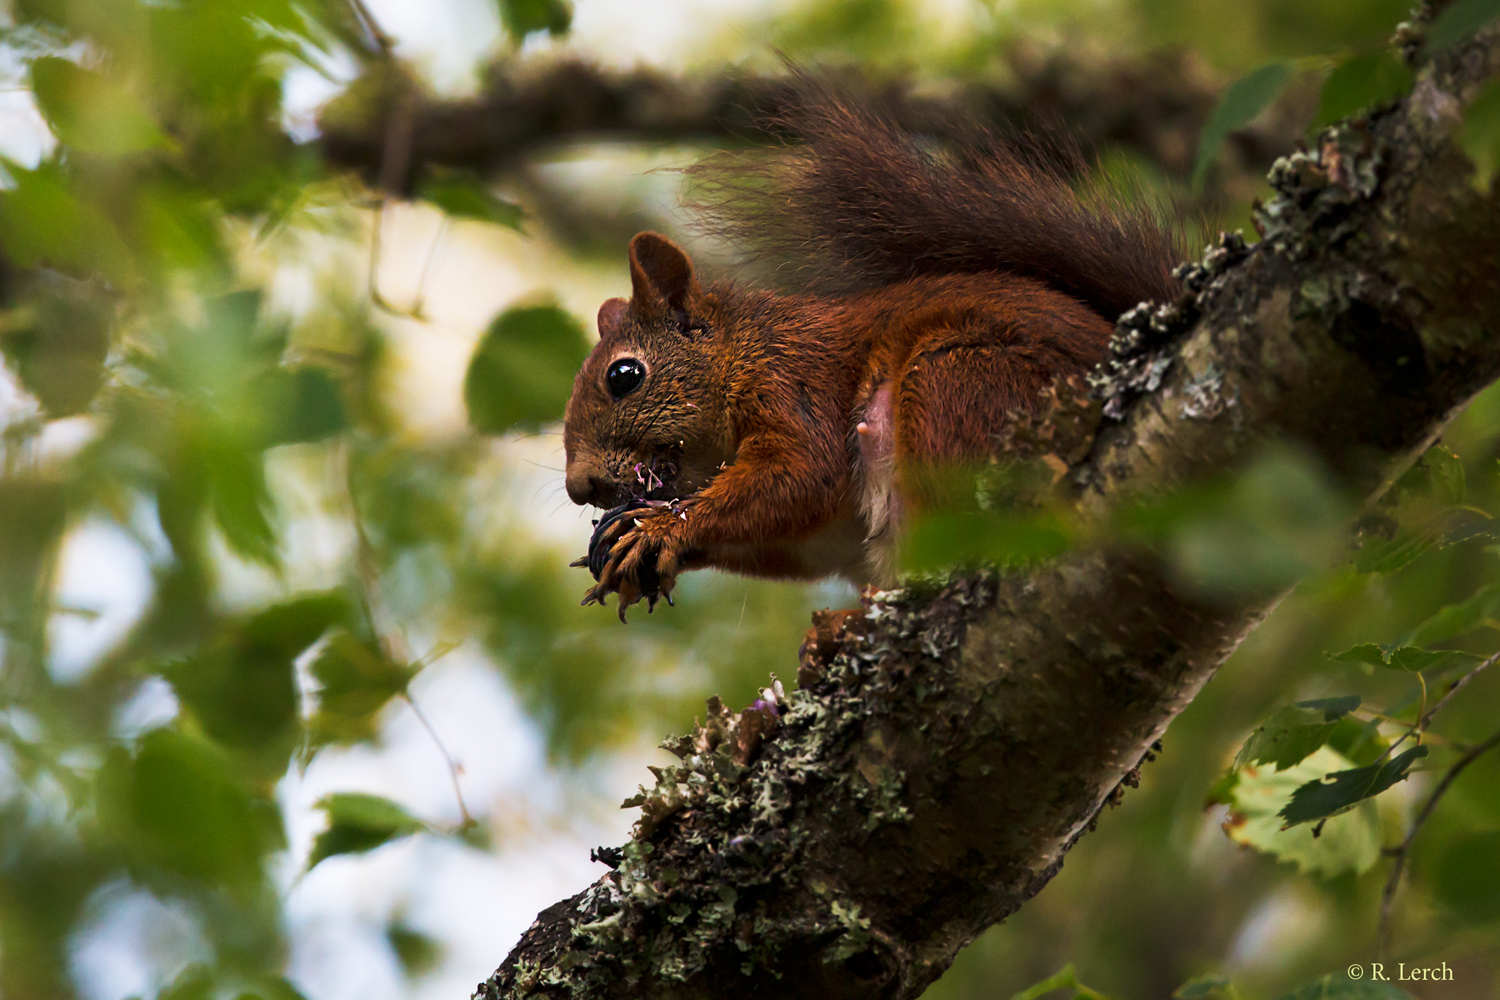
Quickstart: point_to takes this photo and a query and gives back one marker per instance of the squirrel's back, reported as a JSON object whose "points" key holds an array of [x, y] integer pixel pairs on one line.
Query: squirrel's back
{"points": [[860, 203]]}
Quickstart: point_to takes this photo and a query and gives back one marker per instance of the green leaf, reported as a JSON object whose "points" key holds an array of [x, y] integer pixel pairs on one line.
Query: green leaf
{"points": [[1366, 652], [1466, 879], [1295, 732], [358, 822], [57, 338], [466, 196], [1414, 660], [418, 953], [44, 224], [1446, 473], [523, 370], [91, 113], [1342, 790], [1480, 135], [1242, 101], [242, 687], [1331, 988], [177, 804], [1064, 978], [303, 404], [1361, 81], [1347, 843], [1205, 988], [1456, 619], [1408, 658], [355, 682], [1221, 792], [1459, 20], [522, 17]]}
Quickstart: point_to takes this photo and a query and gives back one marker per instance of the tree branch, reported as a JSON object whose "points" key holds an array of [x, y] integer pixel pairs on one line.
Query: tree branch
{"points": [[950, 746], [1154, 105]]}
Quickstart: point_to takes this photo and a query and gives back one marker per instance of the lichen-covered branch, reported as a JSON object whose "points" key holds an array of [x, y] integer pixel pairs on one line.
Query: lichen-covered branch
{"points": [[950, 745], [1154, 105]]}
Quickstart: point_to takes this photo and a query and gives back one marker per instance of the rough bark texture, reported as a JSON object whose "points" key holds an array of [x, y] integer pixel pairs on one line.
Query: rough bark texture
{"points": [[1154, 105], [953, 744]]}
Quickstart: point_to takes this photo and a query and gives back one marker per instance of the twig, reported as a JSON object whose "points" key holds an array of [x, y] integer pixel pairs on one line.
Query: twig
{"points": [[454, 767], [382, 42], [418, 306], [395, 150], [393, 641], [1387, 898], [1458, 686], [1425, 716]]}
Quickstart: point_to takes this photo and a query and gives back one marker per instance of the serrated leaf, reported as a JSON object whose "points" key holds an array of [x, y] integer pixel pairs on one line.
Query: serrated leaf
{"points": [[1347, 843], [1460, 20], [523, 369], [1414, 660], [1480, 135], [1342, 790], [1331, 988], [1242, 101], [358, 822], [1361, 81], [1366, 652], [467, 196], [1411, 659], [1294, 732], [522, 17]]}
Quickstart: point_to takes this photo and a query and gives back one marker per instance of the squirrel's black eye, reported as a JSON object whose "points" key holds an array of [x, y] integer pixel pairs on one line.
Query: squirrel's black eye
{"points": [[624, 376]]}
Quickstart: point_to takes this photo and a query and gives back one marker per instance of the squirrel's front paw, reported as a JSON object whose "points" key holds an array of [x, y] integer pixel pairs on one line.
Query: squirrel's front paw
{"points": [[634, 552]]}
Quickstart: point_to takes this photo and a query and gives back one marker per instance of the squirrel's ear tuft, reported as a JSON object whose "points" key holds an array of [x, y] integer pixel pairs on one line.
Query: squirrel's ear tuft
{"points": [[660, 274]]}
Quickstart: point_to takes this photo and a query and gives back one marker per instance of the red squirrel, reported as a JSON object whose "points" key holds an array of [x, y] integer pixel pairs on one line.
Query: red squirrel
{"points": [[775, 434]]}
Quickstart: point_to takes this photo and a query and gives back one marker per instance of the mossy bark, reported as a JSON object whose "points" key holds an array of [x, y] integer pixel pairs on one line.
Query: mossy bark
{"points": [[953, 743]]}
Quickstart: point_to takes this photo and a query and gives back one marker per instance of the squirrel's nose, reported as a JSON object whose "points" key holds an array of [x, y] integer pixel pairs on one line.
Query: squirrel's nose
{"points": [[582, 487]]}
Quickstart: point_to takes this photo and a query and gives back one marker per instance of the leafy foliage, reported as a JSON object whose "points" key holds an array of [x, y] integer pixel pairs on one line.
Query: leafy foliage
{"points": [[1295, 732], [232, 430], [1361, 81], [1242, 101], [1340, 791], [522, 372], [1346, 843], [359, 823]]}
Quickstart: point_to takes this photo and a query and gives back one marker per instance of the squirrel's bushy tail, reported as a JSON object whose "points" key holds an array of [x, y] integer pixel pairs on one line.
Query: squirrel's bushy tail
{"points": [[860, 202]]}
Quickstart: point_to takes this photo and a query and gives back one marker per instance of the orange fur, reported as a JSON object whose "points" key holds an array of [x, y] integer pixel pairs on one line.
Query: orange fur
{"points": [[779, 425]]}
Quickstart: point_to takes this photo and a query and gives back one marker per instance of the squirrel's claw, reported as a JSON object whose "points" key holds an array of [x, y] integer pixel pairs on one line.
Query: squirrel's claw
{"points": [[628, 558]]}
